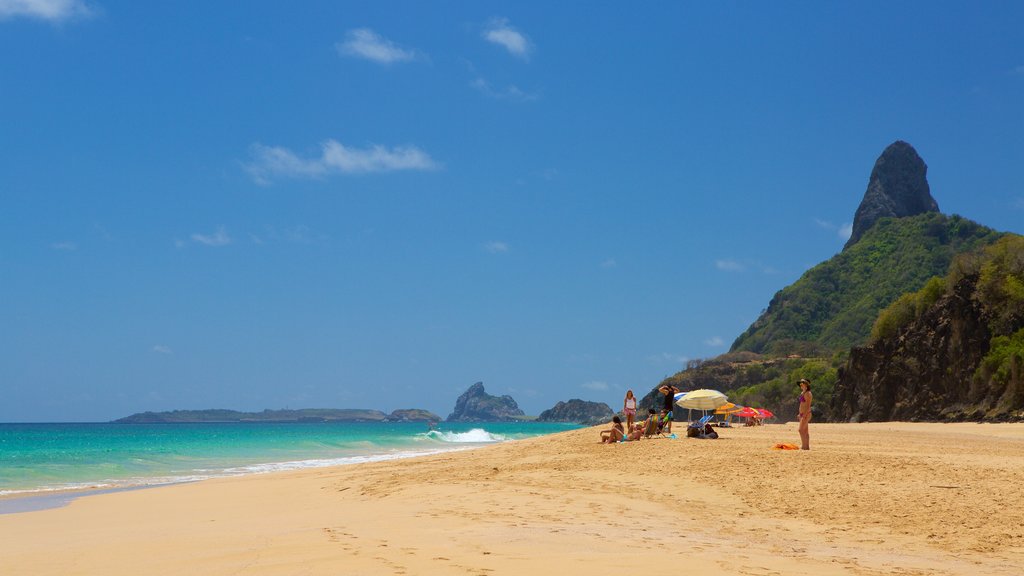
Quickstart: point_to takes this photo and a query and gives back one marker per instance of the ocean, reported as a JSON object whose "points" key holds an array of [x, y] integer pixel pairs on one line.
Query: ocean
{"points": [[40, 459]]}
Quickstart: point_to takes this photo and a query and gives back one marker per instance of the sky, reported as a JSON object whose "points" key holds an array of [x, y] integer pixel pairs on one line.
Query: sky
{"points": [[378, 204]]}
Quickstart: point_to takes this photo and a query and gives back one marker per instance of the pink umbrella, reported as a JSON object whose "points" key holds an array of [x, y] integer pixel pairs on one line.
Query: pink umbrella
{"points": [[748, 412]]}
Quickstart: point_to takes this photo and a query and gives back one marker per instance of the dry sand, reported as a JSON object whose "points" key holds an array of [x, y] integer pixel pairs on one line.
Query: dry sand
{"points": [[869, 499]]}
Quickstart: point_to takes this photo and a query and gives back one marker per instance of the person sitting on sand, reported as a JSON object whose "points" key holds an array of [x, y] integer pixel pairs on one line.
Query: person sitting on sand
{"points": [[637, 432], [615, 434], [651, 424]]}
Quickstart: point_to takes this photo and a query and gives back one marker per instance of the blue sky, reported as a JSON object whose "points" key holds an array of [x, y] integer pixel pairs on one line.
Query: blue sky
{"points": [[375, 205]]}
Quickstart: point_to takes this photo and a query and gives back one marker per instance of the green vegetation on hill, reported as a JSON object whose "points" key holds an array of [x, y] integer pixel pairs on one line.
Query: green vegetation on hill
{"points": [[751, 379], [953, 350], [834, 305]]}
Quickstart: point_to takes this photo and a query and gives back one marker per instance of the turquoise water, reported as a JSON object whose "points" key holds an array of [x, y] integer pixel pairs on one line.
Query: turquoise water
{"points": [[40, 458]]}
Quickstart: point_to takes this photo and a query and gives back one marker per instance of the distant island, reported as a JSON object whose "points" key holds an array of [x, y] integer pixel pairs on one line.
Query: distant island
{"points": [[303, 415], [474, 405]]}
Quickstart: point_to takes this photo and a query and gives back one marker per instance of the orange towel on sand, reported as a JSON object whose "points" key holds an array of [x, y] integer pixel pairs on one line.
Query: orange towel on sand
{"points": [[785, 447]]}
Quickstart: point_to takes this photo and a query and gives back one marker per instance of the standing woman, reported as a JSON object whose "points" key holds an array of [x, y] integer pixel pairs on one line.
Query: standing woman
{"points": [[805, 413], [629, 408]]}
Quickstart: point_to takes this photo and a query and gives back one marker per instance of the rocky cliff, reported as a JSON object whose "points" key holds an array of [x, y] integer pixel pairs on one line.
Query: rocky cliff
{"points": [[898, 187], [578, 412], [476, 405], [961, 358]]}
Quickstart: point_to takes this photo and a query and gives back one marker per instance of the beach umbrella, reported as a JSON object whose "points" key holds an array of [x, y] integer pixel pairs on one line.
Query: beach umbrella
{"points": [[702, 399], [748, 413], [728, 408], [765, 413]]}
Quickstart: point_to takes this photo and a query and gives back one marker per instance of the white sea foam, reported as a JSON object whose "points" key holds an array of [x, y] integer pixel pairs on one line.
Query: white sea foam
{"points": [[207, 474], [474, 436]]}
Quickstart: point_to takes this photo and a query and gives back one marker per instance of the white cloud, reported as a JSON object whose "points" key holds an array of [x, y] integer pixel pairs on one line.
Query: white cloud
{"points": [[1018, 204], [64, 246], [609, 263], [496, 247], [218, 238], [498, 31], [510, 92], [845, 231], [715, 341], [729, 265], [335, 158], [300, 234], [1019, 70], [367, 44], [668, 357], [51, 10], [161, 349], [595, 385]]}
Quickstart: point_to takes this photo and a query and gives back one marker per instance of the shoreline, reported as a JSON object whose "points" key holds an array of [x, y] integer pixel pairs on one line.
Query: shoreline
{"points": [[81, 462], [867, 500]]}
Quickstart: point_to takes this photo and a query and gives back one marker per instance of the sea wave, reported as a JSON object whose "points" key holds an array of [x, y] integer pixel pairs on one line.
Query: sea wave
{"points": [[207, 474], [474, 436]]}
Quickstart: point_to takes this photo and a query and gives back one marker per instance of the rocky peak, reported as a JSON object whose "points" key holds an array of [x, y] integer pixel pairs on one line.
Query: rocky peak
{"points": [[898, 187], [577, 411], [476, 405]]}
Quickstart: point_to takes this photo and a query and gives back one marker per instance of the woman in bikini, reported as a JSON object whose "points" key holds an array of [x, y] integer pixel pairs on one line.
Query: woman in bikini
{"points": [[615, 434], [805, 413], [629, 409]]}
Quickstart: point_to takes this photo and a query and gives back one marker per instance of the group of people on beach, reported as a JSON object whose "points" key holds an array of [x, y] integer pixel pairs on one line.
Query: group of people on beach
{"points": [[662, 423], [656, 423]]}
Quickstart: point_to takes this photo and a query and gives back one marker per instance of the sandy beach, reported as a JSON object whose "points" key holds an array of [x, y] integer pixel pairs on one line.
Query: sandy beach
{"points": [[891, 498]]}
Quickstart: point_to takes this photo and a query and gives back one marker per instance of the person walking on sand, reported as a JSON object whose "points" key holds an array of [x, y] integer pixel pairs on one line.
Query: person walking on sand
{"points": [[670, 392], [804, 402], [629, 409]]}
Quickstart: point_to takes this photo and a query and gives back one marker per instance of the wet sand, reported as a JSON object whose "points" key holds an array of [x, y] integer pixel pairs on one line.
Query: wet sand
{"points": [[869, 499]]}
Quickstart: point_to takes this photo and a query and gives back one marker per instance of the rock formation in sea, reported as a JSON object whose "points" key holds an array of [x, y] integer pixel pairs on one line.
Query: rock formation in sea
{"points": [[578, 412], [413, 415], [898, 187], [476, 405]]}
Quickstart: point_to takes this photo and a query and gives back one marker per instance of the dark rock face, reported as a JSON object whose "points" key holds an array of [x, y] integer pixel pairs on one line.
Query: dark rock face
{"points": [[578, 411], [925, 372], [476, 405], [898, 187]]}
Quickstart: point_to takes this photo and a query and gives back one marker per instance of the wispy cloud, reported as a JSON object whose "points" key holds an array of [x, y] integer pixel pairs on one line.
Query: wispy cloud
{"points": [[1019, 70], [300, 234], [218, 238], [596, 385], [49, 10], [609, 263], [715, 341], [496, 247], [368, 45], [510, 92], [68, 246], [668, 357], [729, 265], [335, 158], [161, 349], [499, 31], [843, 231]]}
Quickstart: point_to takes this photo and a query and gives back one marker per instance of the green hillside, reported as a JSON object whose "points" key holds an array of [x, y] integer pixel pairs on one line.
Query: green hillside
{"points": [[833, 306]]}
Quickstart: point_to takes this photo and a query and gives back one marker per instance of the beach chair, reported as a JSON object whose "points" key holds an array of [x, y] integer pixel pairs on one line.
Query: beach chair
{"points": [[696, 428]]}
